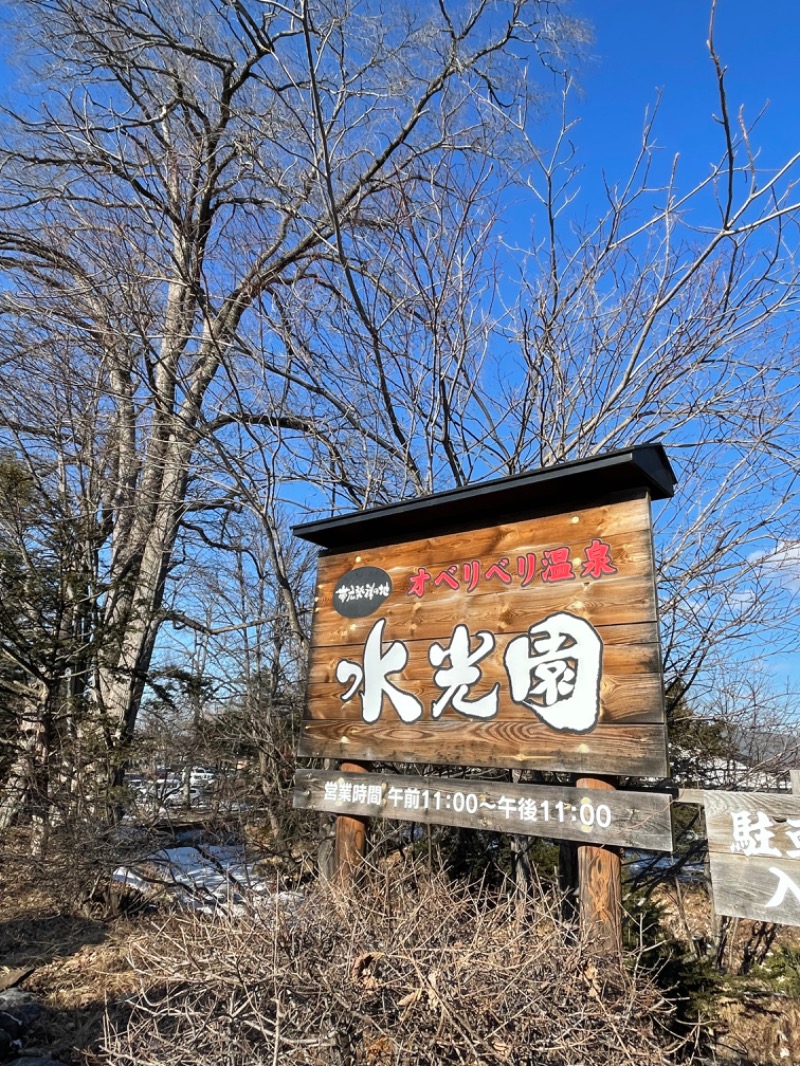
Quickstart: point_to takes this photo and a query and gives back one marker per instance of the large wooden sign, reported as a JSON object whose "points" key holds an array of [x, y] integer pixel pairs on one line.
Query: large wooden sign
{"points": [[627, 819], [754, 852], [525, 637]]}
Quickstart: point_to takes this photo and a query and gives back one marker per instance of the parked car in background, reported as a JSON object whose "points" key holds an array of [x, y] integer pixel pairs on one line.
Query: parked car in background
{"points": [[201, 777], [177, 797]]}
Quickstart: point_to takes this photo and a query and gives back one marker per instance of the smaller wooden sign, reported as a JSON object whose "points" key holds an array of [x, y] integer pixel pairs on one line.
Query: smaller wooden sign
{"points": [[626, 819], [754, 852]]}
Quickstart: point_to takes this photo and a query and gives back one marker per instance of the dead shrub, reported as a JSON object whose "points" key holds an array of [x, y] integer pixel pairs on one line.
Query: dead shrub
{"points": [[405, 969]]}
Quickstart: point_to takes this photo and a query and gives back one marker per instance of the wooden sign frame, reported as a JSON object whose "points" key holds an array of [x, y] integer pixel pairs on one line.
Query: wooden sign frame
{"points": [[528, 643]]}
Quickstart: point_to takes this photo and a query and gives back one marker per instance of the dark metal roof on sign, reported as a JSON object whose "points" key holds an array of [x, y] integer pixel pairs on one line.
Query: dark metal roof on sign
{"points": [[567, 486]]}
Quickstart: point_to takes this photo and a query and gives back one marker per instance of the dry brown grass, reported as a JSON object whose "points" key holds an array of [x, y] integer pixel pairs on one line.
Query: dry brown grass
{"points": [[412, 969], [79, 964], [407, 970]]}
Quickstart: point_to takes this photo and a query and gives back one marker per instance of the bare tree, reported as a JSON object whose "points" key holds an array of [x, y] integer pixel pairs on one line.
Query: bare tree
{"points": [[185, 173], [675, 323], [253, 259], [670, 316]]}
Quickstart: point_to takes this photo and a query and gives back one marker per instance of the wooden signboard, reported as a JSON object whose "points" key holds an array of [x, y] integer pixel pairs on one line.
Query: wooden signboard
{"points": [[754, 852], [627, 819], [510, 624], [528, 643]]}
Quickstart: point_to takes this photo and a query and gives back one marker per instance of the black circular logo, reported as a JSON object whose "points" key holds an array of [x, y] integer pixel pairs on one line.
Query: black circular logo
{"points": [[361, 591]]}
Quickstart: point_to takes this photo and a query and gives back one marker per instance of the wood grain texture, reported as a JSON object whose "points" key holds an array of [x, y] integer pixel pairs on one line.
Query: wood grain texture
{"points": [[630, 689], [743, 886], [619, 601], [620, 660], [610, 749], [600, 883], [635, 819], [350, 841], [777, 808], [754, 852], [607, 602], [618, 521], [626, 596]]}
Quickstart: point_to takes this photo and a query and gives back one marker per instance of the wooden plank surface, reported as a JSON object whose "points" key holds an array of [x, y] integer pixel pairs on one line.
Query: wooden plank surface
{"points": [[609, 749], [627, 819], [626, 700], [620, 660], [777, 808], [620, 521], [755, 888], [626, 602], [600, 881], [624, 596], [350, 841], [630, 689], [754, 852], [616, 597]]}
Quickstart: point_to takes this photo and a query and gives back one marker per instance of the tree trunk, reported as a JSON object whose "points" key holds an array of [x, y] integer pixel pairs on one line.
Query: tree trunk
{"points": [[28, 787]]}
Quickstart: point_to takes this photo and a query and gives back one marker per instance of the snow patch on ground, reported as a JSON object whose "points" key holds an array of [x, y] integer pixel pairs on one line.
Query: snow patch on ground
{"points": [[209, 878]]}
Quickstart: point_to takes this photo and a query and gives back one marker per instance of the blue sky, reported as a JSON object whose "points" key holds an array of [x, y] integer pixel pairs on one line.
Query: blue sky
{"points": [[645, 50], [644, 47]]}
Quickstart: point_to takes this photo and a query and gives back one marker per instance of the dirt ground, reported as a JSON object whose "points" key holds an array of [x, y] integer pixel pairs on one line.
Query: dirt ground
{"points": [[78, 967]]}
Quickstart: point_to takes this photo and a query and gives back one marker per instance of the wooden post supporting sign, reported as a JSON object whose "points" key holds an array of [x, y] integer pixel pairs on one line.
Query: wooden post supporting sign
{"points": [[600, 887], [350, 844]]}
